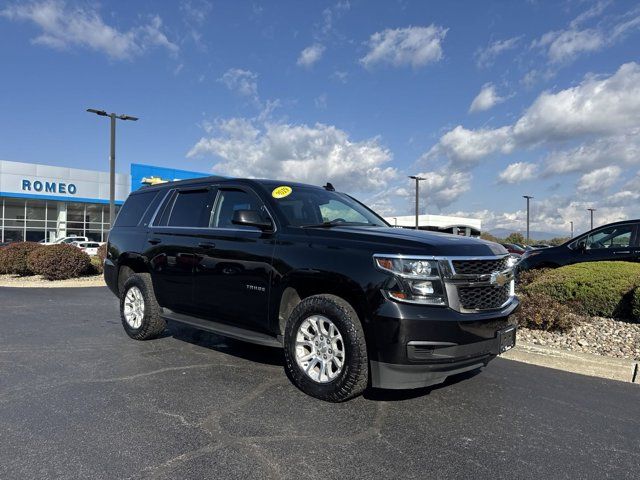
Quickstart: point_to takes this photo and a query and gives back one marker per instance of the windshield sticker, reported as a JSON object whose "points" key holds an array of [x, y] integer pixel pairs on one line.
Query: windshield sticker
{"points": [[281, 192]]}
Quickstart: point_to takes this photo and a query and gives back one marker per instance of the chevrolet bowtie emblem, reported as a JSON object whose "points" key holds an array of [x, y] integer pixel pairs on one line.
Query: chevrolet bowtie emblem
{"points": [[499, 278]]}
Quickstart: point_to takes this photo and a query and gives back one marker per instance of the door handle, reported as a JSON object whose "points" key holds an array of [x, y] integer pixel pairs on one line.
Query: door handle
{"points": [[154, 241], [621, 252], [207, 245]]}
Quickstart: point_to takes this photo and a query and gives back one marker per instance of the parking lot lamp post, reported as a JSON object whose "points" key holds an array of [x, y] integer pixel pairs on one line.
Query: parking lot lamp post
{"points": [[417, 179], [528, 197], [591, 210], [112, 158], [571, 229]]}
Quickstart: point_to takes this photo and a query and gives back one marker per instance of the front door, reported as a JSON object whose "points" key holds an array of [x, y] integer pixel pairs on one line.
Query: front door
{"points": [[613, 242], [233, 270]]}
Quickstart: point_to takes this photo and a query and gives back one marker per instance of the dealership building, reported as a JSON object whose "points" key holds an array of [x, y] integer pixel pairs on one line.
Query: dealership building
{"points": [[45, 202]]}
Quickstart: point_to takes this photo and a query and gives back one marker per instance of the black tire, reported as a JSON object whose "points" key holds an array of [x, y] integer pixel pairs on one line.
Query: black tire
{"points": [[353, 378], [151, 324]]}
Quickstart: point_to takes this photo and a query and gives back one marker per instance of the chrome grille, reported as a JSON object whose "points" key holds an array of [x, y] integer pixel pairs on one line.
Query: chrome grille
{"points": [[479, 267], [483, 298]]}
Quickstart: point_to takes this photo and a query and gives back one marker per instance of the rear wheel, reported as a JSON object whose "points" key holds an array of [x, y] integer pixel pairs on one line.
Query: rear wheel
{"points": [[325, 349], [139, 310]]}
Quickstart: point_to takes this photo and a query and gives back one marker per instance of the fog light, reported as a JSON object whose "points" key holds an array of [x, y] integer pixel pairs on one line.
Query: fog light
{"points": [[422, 288]]}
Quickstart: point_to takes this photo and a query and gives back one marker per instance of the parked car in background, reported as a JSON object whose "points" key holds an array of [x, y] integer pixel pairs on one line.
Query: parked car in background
{"points": [[90, 248], [615, 241], [514, 249], [538, 246], [70, 239]]}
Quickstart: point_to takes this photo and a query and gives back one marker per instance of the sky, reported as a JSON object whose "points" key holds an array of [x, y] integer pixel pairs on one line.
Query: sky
{"points": [[488, 101]]}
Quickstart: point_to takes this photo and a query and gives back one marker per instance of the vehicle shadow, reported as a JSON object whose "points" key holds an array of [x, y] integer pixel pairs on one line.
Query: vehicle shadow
{"points": [[247, 351], [382, 395], [275, 357]]}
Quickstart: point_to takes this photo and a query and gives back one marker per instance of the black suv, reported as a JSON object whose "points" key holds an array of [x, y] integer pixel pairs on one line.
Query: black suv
{"points": [[353, 301], [617, 241]]}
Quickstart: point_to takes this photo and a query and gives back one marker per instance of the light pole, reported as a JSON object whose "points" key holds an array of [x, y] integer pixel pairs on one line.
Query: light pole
{"points": [[591, 210], [571, 229], [112, 158], [528, 197], [417, 179]]}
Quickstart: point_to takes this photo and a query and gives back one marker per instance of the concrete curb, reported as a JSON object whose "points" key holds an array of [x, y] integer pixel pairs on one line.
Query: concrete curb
{"points": [[575, 362]]}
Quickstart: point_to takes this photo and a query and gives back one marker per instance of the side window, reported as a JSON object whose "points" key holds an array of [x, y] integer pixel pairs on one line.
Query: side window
{"points": [[611, 237], [189, 208], [133, 209], [228, 201]]}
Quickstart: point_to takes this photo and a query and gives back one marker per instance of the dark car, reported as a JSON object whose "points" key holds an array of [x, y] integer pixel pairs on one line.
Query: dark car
{"points": [[353, 301], [615, 241], [513, 248]]}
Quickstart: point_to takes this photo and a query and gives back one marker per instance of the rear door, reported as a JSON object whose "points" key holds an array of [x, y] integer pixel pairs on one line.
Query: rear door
{"points": [[233, 269], [172, 245], [614, 242]]}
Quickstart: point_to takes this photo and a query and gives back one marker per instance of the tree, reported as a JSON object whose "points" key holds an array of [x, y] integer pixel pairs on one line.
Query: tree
{"points": [[515, 237], [489, 237]]}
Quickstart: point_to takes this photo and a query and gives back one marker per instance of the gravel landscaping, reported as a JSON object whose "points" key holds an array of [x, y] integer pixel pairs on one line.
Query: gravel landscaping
{"points": [[600, 336], [36, 281]]}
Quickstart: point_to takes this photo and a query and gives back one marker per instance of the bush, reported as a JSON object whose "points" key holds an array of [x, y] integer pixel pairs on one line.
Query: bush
{"points": [[102, 252], [605, 289], [635, 305], [59, 262], [13, 258], [541, 312], [96, 267]]}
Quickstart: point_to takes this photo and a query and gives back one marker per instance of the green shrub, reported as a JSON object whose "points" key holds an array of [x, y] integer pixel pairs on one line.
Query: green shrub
{"points": [[96, 266], [540, 311], [604, 289], [102, 252], [13, 258], [635, 305], [59, 262]]}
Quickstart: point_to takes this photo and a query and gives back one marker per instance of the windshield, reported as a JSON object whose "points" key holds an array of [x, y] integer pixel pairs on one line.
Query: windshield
{"points": [[312, 206]]}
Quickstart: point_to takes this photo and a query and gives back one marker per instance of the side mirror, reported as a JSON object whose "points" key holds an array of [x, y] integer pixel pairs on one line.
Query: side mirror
{"points": [[582, 246], [250, 218]]}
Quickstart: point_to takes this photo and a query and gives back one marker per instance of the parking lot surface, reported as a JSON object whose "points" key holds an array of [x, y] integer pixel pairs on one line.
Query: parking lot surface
{"points": [[79, 399]]}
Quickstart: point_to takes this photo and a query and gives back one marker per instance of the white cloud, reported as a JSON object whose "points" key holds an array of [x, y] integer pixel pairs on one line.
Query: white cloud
{"points": [[414, 46], [64, 27], [243, 82], [621, 149], [599, 180], [518, 172], [312, 154], [486, 99], [486, 56], [443, 187], [564, 46], [310, 55], [600, 106], [466, 147]]}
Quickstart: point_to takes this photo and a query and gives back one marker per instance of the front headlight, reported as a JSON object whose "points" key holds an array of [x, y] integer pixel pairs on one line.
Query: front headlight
{"points": [[416, 280]]}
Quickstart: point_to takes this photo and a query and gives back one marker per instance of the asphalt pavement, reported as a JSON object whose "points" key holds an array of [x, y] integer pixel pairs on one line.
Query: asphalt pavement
{"points": [[79, 399]]}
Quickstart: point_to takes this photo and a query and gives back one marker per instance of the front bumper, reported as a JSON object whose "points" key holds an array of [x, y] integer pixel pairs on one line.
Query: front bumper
{"points": [[417, 346]]}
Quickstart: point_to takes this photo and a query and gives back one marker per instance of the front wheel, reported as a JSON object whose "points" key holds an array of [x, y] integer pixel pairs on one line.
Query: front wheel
{"points": [[325, 349], [139, 310]]}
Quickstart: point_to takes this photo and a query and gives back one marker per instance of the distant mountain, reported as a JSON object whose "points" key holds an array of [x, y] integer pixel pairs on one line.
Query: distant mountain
{"points": [[534, 234]]}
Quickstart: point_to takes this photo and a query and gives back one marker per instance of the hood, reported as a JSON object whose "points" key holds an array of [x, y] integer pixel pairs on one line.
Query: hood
{"points": [[412, 242]]}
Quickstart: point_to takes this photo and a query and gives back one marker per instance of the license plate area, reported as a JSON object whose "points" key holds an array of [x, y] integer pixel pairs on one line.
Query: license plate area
{"points": [[506, 339]]}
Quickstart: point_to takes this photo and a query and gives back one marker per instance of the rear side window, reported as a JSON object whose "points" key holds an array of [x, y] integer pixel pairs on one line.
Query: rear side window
{"points": [[190, 208], [133, 209]]}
